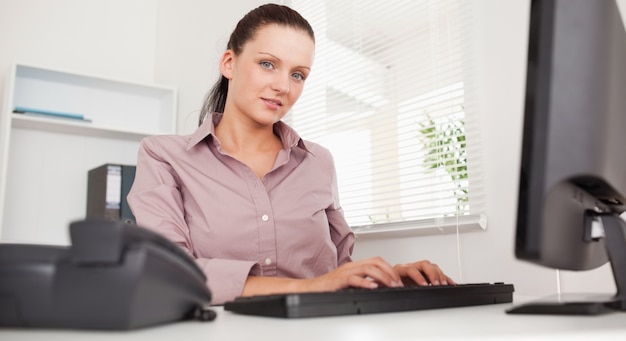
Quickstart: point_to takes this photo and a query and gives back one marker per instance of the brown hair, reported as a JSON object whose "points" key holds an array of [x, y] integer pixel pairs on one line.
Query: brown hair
{"points": [[245, 31]]}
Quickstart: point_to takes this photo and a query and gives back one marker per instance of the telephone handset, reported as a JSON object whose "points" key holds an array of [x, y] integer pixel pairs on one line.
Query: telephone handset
{"points": [[114, 276], [104, 242]]}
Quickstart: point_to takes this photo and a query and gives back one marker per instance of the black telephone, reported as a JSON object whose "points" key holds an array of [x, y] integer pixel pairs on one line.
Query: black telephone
{"points": [[114, 276]]}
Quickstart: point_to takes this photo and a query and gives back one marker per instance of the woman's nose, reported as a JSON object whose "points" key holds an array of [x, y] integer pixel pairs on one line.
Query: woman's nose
{"points": [[281, 83]]}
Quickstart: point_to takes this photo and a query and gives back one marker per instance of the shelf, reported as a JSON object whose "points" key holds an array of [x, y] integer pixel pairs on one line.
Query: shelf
{"points": [[114, 104], [44, 160], [76, 128]]}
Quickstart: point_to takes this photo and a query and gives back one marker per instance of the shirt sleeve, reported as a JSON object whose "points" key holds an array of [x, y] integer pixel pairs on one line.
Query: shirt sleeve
{"points": [[157, 204], [341, 235], [340, 232]]}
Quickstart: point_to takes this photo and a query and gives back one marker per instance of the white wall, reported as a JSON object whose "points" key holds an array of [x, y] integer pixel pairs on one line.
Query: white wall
{"points": [[177, 43], [191, 36], [114, 38]]}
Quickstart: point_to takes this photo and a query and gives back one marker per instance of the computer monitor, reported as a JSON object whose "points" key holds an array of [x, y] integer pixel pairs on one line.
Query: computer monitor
{"points": [[572, 186]]}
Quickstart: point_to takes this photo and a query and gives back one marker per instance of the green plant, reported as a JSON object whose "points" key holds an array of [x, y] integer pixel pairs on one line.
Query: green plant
{"points": [[444, 139]]}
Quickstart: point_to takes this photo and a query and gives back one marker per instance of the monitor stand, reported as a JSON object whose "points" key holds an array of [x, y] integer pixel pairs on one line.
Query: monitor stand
{"points": [[592, 304]]}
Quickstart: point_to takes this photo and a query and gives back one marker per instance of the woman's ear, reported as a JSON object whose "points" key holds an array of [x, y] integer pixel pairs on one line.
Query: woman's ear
{"points": [[226, 64]]}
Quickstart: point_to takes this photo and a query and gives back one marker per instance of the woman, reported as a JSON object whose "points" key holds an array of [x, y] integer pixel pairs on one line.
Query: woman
{"points": [[253, 203]]}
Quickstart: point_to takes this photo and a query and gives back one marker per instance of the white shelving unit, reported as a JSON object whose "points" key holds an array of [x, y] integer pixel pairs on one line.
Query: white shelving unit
{"points": [[44, 160]]}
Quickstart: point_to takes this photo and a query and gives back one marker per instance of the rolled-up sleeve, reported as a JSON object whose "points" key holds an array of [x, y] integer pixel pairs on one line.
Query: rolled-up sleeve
{"points": [[340, 232]]}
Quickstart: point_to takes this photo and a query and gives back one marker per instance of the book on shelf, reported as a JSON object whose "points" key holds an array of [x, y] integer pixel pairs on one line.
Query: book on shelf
{"points": [[49, 113]]}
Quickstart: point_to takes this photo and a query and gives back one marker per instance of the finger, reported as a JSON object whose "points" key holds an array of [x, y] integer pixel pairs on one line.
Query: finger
{"points": [[433, 274], [443, 278], [387, 268], [424, 269], [451, 281], [361, 282], [379, 270], [379, 274], [415, 275]]}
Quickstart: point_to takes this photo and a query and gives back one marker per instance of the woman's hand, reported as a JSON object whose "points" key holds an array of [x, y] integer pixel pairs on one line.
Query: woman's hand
{"points": [[374, 272], [422, 273], [368, 273]]}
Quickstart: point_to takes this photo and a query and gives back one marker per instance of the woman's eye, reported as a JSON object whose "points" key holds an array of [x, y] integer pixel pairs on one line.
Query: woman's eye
{"points": [[298, 76], [267, 65]]}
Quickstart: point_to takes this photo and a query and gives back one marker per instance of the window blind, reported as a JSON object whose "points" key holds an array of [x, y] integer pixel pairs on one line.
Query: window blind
{"points": [[391, 96]]}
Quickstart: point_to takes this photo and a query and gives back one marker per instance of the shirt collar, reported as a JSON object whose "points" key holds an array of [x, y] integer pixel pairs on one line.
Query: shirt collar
{"points": [[287, 135]]}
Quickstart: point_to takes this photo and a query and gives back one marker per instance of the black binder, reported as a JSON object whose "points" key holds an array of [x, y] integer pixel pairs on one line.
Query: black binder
{"points": [[107, 188]]}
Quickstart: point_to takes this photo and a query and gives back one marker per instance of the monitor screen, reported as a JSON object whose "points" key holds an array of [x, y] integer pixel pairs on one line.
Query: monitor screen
{"points": [[572, 186]]}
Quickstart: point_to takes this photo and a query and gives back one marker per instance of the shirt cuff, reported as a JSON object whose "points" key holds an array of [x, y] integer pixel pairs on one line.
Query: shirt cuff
{"points": [[225, 277]]}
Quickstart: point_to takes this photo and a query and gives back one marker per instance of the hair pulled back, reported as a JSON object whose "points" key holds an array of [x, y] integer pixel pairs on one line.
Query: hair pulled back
{"points": [[245, 31]]}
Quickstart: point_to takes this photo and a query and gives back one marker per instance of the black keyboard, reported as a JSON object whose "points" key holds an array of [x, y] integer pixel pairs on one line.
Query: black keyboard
{"points": [[366, 301]]}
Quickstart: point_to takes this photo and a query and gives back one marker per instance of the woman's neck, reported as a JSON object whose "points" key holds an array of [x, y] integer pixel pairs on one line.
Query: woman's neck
{"points": [[255, 146], [239, 135]]}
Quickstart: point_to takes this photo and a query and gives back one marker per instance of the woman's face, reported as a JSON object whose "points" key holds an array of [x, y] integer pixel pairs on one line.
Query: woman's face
{"points": [[267, 77]]}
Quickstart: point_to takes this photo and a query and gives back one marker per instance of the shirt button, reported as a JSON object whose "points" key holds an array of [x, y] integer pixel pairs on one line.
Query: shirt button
{"points": [[268, 261], [265, 217]]}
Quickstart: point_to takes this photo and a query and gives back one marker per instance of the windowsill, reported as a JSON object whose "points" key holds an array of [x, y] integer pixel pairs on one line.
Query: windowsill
{"points": [[424, 227]]}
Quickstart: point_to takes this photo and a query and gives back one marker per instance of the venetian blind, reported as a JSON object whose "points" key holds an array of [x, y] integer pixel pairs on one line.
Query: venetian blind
{"points": [[391, 96]]}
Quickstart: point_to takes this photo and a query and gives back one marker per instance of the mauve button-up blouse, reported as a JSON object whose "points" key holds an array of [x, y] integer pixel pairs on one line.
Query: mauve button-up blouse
{"points": [[287, 224]]}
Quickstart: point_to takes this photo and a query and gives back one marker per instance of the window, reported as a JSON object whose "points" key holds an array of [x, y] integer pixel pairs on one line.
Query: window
{"points": [[390, 96]]}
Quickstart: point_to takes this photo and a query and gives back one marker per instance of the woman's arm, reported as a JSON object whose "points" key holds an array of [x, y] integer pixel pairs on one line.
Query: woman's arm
{"points": [[157, 203], [368, 273]]}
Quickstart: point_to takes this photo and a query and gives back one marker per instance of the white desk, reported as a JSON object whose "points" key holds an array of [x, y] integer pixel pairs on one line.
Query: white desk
{"points": [[480, 323]]}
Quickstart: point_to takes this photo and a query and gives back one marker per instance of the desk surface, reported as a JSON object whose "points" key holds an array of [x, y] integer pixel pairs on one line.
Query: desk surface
{"points": [[480, 322]]}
